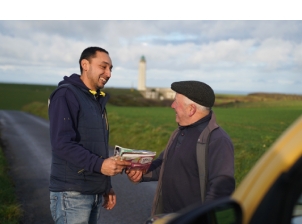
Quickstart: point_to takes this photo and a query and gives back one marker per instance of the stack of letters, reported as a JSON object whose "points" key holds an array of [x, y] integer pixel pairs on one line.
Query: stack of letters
{"points": [[140, 159]]}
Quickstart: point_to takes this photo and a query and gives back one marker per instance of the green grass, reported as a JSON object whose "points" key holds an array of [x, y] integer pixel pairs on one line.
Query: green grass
{"points": [[253, 130], [140, 127], [15, 96], [10, 211]]}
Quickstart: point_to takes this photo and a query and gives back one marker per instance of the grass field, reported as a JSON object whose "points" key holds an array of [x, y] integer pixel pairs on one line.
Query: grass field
{"points": [[15, 96], [253, 122], [10, 211]]}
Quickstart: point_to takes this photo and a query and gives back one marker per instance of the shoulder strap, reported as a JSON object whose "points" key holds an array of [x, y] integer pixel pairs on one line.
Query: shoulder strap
{"points": [[157, 207], [202, 154]]}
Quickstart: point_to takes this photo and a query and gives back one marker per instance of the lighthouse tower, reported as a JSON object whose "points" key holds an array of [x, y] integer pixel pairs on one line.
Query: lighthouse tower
{"points": [[142, 74]]}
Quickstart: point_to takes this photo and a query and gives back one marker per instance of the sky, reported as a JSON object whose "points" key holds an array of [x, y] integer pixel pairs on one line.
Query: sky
{"points": [[233, 55]]}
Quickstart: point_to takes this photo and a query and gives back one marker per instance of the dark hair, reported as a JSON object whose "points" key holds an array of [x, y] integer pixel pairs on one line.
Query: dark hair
{"points": [[90, 52]]}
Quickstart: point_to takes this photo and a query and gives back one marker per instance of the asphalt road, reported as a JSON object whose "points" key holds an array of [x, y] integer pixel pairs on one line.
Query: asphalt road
{"points": [[27, 148]]}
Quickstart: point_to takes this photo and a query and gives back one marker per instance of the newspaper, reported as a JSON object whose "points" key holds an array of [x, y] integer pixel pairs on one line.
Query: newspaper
{"points": [[140, 159]]}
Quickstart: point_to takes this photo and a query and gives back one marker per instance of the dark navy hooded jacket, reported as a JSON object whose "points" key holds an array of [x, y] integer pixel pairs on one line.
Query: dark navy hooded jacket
{"points": [[79, 134]]}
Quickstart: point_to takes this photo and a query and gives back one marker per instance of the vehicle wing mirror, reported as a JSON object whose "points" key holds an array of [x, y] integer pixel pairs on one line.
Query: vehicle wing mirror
{"points": [[224, 211]]}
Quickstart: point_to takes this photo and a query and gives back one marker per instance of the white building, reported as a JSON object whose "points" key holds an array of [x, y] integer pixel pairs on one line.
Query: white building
{"points": [[149, 92]]}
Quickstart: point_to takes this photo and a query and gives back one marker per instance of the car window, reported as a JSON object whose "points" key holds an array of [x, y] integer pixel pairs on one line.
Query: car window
{"points": [[297, 212], [226, 215]]}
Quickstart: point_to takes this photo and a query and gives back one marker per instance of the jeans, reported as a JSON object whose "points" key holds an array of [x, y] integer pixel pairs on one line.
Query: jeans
{"points": [[70, 207]]}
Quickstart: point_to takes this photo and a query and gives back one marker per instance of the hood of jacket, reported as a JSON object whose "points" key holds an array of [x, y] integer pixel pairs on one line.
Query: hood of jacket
{"points": [[73, 79]]}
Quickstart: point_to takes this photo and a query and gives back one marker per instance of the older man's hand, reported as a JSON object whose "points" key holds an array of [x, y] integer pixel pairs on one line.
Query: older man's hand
{"points": [[135, 175]]}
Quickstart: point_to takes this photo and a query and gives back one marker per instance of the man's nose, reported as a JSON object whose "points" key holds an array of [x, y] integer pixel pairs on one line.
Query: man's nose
{"points": [[172, 105], [108, 72]]}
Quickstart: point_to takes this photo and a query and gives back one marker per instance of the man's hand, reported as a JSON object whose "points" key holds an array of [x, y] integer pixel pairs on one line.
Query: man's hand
{"points": [[134, 175], [113, 166], [109, 200]]}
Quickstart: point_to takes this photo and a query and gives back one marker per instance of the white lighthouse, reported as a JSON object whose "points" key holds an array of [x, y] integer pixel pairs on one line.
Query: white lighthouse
{"points": [[151, 92], [142, 74]]}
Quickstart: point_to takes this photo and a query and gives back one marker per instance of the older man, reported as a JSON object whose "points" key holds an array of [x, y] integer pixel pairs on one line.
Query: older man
{"points": [[180, 168]]}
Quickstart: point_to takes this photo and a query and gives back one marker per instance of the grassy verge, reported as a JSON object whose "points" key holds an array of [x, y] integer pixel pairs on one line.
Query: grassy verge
{"points": [[10, 211]]}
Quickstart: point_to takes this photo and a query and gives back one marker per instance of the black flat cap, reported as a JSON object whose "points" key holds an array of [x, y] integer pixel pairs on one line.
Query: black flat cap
{"points": [[196, 91]]}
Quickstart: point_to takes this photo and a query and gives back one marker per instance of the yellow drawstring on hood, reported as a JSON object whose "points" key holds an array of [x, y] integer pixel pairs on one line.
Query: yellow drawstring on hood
{"points": [[93, 92], [101, 94]]}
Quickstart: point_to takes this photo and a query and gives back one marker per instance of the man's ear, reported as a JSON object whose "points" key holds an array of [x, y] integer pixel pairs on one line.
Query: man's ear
{"points": [[85, 64], [192, 110]]}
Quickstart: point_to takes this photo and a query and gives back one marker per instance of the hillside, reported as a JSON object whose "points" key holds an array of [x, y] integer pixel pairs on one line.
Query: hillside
{"points": [[16, 96]]}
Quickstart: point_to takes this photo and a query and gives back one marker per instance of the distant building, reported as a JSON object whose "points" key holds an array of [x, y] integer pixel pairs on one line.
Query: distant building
{"points": [[149, 92]]}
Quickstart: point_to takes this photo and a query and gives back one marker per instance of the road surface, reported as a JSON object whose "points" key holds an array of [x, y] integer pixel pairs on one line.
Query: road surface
{"points": [[27, 148]]}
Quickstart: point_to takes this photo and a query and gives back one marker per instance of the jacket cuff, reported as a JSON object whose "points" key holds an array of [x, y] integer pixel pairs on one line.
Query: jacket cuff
{"points": [[147, 177], [98, 165]]}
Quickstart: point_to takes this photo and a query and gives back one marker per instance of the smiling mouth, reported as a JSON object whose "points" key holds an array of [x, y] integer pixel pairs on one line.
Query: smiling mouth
{"points": [[104, 80]]}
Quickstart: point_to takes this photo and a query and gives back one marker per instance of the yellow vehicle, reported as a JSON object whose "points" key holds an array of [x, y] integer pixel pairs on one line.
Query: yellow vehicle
{"points": [[271, 193]]}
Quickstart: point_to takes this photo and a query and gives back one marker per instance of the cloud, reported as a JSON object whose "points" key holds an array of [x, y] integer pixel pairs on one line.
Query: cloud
{"points": [[230, 55]]}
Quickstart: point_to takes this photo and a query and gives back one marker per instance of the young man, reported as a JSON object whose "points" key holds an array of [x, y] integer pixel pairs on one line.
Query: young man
{"points": [[178, 168], [79, 132]]}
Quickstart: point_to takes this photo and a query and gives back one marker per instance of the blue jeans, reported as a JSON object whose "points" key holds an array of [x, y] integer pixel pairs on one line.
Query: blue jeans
{"points": [[75, 208]]}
